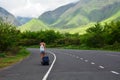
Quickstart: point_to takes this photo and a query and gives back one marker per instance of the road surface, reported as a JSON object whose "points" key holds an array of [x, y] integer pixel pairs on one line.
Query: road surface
{"points": [[69, 65]]}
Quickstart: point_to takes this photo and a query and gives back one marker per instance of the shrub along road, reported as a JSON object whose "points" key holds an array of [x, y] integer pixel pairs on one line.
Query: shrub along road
{"points": [[69, 65]]}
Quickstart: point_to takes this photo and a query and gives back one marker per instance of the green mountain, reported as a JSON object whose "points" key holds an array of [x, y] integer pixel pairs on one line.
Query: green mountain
{"points": [[50, 17], [83, 13], [113, 18], [76, 17], [23, 20], [33, 25]]}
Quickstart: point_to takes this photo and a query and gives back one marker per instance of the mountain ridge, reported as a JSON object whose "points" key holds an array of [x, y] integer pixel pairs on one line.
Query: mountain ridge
{"points": [[23, 20], [33, 25], [67, 19], [82, 14], [50, 17], [8, 17]]}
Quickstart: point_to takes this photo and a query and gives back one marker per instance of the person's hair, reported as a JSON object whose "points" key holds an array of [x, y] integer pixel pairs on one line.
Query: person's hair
{"points": [[42, 40]]}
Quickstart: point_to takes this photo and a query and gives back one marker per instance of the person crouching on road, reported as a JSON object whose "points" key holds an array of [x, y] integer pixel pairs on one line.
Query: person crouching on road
{"points": [[42, 49]]}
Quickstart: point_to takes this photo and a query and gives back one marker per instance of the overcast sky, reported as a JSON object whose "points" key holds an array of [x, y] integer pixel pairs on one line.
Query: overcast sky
{"points": [[31, 8]]}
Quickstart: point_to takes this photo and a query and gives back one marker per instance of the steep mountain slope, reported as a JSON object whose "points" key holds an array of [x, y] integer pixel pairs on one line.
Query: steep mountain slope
{"points": [[88, 11], [51, 16], [83, 13], [23, 20], [105, 12], [115, 17], [8, 17], [72, 17], [33, 25]]}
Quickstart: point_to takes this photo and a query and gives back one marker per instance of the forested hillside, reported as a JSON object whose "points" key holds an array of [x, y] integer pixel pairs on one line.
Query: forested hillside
{"points": [[82, 13], [76, 17]]}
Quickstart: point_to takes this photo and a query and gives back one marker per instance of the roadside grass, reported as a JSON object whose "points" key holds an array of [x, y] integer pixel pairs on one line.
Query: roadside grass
{"points": [[105, 48], [81, 47], [10, 60]]}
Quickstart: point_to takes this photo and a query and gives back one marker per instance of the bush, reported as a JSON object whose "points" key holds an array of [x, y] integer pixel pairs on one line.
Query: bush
{"points": [[115, 46], [100, 35], [8, 36], [2, 55]]}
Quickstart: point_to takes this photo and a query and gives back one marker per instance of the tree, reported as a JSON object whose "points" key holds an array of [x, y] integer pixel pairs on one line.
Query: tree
{"points": [[95, 36], [8, 36]]}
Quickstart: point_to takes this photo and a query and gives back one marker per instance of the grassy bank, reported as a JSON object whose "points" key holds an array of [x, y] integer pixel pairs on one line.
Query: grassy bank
{"points": [[114, 47], [9, 60], [105, 48]]}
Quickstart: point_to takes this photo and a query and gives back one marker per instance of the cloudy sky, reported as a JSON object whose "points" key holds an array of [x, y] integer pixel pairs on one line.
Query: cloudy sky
{"points": [[31, 8]]}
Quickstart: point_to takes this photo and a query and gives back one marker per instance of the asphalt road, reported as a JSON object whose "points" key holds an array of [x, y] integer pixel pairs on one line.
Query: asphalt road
{"points": [[69, 65], [28, 69]]}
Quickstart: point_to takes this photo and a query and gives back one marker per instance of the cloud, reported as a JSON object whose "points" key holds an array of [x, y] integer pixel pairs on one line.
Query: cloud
{"points": [[31, 8]]}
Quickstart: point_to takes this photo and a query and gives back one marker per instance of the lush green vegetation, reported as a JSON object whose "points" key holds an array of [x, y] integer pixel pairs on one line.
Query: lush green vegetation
{"points": [[33, 25], [85, 12], [99, 36], [71, 17], [10, 52], [8, 36], [6, 60], [103, 36]]}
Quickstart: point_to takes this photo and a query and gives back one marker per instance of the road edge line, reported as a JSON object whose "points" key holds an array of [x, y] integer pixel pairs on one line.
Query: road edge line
{"points": [[48, 72]]}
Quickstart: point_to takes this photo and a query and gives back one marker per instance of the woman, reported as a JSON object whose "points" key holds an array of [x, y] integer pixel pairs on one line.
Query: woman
{"points": [[42, 49]]}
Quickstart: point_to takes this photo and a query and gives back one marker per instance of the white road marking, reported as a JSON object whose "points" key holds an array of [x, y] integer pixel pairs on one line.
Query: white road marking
{"points": [[101, 67], [114, 72], [77, 57], [48, 72], [86, 60], [92, 63], [81, 58], [70, 54]]}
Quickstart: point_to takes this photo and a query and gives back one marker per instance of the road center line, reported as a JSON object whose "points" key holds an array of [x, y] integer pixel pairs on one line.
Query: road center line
{"points": [[86, 60], [101, 67], [81, 58], [77, 57], [92, 63], [48, 72], [114, 72]]}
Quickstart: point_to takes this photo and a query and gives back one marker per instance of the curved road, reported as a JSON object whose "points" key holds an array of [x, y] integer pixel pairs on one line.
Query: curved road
{"points": [[69, 65]]}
